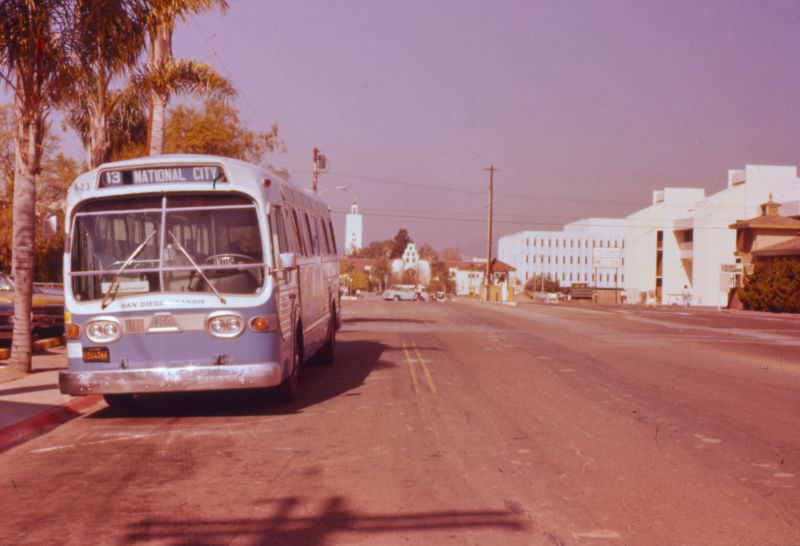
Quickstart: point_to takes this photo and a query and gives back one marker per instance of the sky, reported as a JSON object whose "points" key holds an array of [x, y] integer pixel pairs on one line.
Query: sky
{"points": [[584, 107]]}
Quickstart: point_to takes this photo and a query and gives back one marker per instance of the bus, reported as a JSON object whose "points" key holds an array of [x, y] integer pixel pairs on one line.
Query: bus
{"points": [[194, 273]]}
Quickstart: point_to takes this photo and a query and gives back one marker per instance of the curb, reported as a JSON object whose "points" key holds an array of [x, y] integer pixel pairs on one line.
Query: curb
{"points": [[38, 346], [45, 421]]}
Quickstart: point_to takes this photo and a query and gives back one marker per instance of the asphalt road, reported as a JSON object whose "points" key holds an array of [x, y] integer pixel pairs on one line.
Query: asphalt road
{"points": [[452, 423]]}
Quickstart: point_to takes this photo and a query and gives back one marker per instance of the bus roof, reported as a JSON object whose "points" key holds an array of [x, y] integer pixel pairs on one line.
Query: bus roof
{"points": [[239, 176]]}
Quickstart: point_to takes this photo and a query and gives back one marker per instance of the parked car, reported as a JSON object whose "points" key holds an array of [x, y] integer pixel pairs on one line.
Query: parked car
{"points": [[48, 309], [404, 292]]}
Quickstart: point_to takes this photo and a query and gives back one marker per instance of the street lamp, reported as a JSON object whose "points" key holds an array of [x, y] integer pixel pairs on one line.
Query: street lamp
{"points": [[308, 190]]}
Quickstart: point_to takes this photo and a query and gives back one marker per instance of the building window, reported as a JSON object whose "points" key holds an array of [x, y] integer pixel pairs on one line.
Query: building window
{"points": [[615, 244], [570, 260], [563, 276], [548, 259], [571, 244]]}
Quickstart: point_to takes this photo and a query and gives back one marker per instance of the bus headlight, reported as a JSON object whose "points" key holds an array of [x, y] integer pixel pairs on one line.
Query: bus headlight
{"points": [[224, 324], [103, 330]]}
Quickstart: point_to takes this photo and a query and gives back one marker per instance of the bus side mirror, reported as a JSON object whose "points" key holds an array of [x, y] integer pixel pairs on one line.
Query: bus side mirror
{"points": [[288, 260]]}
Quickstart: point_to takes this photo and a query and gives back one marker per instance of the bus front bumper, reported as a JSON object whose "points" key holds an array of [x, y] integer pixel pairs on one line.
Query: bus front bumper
{"points": [[185, 378]]}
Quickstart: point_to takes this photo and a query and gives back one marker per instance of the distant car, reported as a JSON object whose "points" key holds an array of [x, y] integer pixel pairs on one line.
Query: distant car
{"points": [[402, 292], [48, 308]]}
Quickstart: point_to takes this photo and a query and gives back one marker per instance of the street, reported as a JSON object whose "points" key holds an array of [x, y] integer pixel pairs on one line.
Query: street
{"points": [[451, 423]]}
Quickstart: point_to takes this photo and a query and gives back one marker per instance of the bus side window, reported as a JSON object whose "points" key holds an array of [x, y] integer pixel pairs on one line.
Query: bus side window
{"points": [[326, 237], [299, 234], [323, 236], [314, 240], [291, 235], [333, 237]]}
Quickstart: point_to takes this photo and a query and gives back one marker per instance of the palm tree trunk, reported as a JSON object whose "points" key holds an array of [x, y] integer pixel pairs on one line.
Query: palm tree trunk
{"points": [[99, 140], [23, 238], [159, 54], [158, 106]]}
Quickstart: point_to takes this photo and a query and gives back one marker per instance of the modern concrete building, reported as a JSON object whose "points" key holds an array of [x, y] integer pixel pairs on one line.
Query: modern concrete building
{"points": [[658, 267], [588, 251], [353, 228], [685, 238]]}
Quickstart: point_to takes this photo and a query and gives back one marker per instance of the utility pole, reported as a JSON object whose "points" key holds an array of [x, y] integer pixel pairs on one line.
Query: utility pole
{"points": [[315, 171], [319, 165], [491, 170]]}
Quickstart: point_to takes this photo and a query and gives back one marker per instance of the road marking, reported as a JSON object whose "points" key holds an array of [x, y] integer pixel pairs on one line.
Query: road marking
{"points": [[706, 439], [597, 533], [96, 442], [411, 369], [425, 369]]}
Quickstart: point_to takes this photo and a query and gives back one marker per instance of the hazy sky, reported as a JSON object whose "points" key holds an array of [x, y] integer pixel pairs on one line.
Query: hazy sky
{"points": [[585, 107]]}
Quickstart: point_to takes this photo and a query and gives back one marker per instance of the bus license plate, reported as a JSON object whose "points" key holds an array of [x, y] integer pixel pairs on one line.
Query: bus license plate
{"points": [[96, 354]]}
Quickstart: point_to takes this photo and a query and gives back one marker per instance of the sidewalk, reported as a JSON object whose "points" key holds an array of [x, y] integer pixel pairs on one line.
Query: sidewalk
{"points": [[31, 404]]}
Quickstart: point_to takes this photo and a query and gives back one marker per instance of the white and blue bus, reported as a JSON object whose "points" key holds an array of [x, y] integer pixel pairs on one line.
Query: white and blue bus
{"points": [[192, 273]]}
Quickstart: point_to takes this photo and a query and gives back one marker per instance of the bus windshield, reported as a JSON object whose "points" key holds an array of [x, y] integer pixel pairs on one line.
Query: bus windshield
{"points": [[177, 243]]}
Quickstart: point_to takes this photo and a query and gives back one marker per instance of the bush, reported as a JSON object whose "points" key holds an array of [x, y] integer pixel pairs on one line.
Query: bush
{"points": [[773, 286]]}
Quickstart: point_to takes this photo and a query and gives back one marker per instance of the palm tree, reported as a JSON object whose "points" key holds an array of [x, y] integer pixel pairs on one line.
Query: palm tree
{"points": [[31, 65], [106, 39], [164, 75]]}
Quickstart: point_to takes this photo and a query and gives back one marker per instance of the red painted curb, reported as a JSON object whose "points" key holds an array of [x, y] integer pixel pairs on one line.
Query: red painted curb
{"points": [[40, 423]]}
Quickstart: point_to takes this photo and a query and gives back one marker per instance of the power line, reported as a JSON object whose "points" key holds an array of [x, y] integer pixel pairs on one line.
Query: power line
{"points": [[438, 218]]}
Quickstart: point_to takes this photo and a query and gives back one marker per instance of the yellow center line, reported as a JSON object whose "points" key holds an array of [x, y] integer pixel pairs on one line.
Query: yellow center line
{"points": [[411, 368], [425, 369]]}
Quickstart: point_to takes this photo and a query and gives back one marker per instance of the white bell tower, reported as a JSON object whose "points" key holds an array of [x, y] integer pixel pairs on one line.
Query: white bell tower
{"points": [[353, 231]]}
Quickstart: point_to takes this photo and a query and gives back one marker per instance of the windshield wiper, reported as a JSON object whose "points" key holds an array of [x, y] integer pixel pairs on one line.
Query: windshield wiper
{"points": [[197, 268], [109, 296]]}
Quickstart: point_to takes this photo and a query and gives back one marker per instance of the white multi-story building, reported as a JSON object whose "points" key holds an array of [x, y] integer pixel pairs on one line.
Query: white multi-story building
{"points": [[658, 267], [588, 251], [353, 231], [684, 238]]}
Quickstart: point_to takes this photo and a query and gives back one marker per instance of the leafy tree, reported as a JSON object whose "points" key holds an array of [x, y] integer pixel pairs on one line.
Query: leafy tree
{"points": [[380, 272], [427, 252], [359, 280], [773, 286], [409, 276], [440, 277], [399, 243], [97, 56], [377, 249], [451, 254], [165, 76], [32, 66], [217, 130]]}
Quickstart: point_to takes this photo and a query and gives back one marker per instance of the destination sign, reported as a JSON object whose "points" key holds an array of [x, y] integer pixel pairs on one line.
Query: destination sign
{"points": [[161, 175]]}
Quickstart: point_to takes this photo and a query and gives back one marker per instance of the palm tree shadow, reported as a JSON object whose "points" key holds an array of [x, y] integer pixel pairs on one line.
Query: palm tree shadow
{"points": [[292, 525]]}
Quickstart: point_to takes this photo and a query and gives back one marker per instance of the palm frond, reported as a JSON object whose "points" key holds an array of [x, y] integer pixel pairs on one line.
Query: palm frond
{"points": [[188, 77]]}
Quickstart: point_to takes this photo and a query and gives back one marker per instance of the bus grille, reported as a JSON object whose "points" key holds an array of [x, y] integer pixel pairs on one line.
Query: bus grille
{"points": [[134, 326]]}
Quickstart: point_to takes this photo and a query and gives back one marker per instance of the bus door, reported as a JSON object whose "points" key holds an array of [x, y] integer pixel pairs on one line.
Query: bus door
{"points": [[286, 282]]}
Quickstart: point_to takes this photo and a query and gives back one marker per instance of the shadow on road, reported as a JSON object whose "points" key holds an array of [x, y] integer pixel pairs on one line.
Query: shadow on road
{"points": [[354, 361], [381, 319], [291, 524]]}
